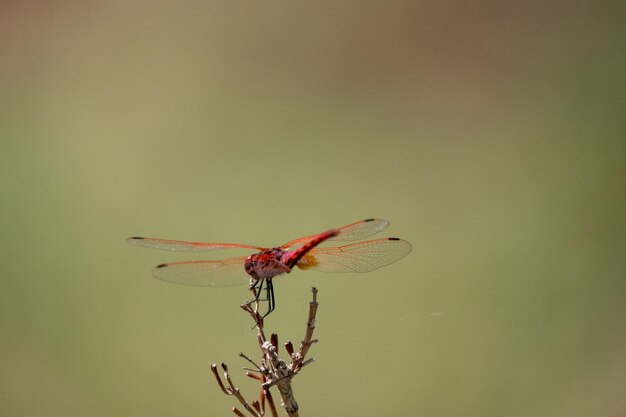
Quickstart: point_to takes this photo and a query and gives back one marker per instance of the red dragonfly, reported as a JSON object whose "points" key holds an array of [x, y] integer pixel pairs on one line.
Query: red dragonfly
{"points": [[261, 267]]}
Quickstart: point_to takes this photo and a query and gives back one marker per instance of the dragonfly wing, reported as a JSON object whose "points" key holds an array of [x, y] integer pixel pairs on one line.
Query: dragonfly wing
{"points": [[182, 246], [357, 257], [353, 231], [222, 273]]}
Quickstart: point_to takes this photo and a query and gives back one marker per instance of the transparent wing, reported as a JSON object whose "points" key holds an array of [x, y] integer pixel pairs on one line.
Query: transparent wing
{"points": [[222, 273], [182, 246], [357, 257], [354, 231]]}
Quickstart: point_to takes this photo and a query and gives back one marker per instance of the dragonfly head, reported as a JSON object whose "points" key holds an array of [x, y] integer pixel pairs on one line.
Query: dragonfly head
{"points": [[249, 266]]}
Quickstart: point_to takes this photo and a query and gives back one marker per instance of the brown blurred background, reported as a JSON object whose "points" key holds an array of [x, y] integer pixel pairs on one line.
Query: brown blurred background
{"points": [[491, 134]]}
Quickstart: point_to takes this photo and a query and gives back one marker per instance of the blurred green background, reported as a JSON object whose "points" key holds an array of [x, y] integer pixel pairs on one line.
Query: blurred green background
{"points": [[491, 134]]}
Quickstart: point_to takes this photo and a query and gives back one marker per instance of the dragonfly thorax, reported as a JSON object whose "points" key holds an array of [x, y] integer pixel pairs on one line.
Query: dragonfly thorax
{"points": [[266, 264]]}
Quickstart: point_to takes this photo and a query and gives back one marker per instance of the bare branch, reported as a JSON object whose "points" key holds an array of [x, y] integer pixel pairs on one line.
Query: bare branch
{"points": [[232, 390], [258, 368], [255, 376], [218, 379], [270, 402], [289, 348], [273, 371], [310, 328], [236, 411]]}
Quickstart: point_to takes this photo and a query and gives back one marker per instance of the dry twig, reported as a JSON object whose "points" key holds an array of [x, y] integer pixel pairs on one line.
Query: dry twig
{"points": [[273, 371]]}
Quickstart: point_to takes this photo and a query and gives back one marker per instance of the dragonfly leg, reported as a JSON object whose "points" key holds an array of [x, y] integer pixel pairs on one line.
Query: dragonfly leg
{"points": [[257, 288], [271, 301], [258, 291], [258, 284]]}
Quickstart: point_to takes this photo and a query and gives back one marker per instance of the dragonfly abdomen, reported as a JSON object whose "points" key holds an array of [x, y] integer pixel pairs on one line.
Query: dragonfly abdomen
{"points": [[291, 259]]}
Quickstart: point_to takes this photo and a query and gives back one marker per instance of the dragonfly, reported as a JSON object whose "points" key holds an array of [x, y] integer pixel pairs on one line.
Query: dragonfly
{"points": [[259, 269]]}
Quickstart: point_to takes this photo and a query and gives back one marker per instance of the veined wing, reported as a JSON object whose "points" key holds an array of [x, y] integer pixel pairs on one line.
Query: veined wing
{"points": [[222, 273], [353, 231], [357, 257], [182, 246]]}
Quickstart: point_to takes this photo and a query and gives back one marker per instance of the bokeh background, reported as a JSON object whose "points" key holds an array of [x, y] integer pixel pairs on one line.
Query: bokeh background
{"points": [[491, 134]]}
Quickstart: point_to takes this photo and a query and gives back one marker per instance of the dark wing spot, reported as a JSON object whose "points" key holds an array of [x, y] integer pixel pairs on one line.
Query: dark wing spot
{"points": [[369, 220], [394, 238], [136, 237], [161, 266]]}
